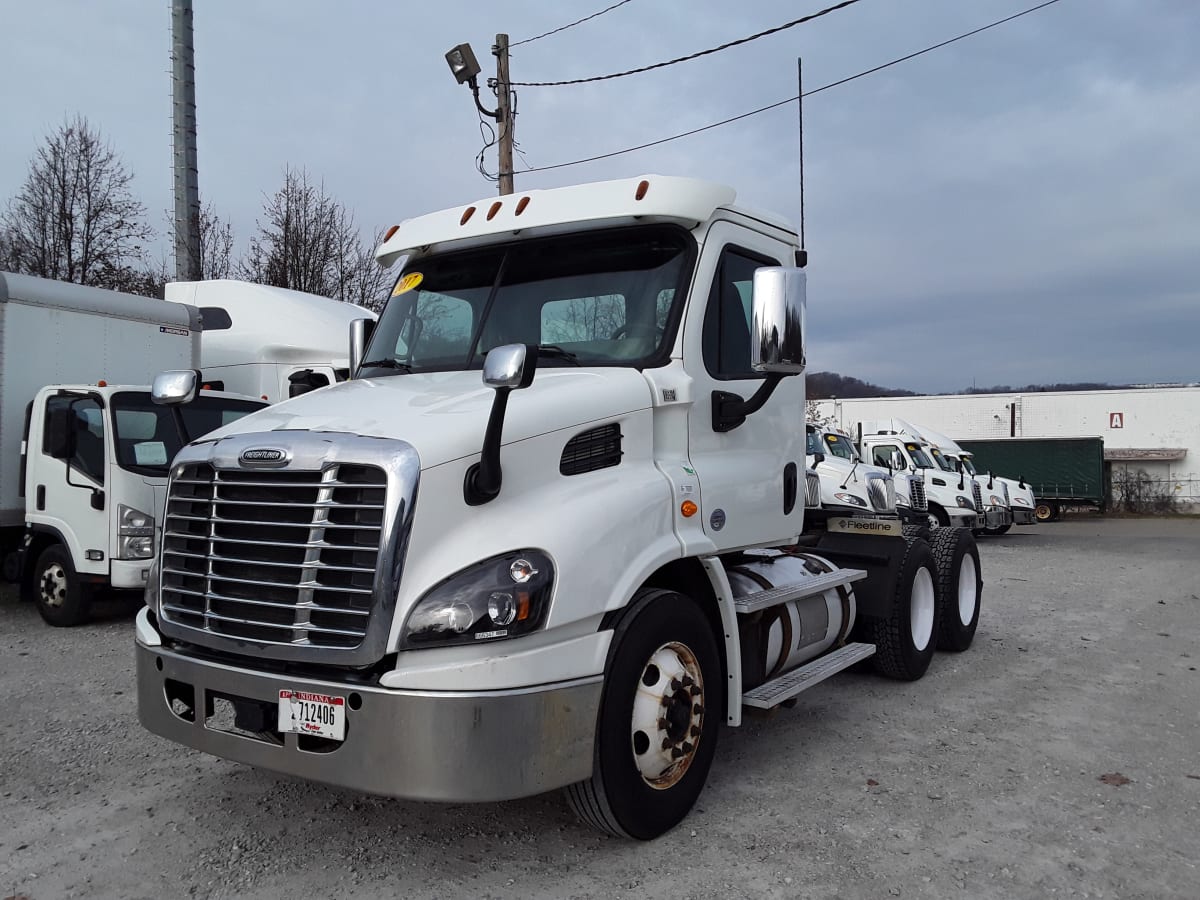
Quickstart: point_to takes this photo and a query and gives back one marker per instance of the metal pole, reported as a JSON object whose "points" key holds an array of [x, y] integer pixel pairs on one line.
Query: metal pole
{"points": [[187, 191], [504, 114]]}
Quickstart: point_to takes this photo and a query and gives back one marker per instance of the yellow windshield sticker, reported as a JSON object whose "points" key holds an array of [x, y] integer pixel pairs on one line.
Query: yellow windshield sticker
{"points": [[407, 283]]}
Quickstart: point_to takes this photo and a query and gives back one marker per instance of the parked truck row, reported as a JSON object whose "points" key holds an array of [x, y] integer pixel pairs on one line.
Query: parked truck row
{"points": [[560, 526]]}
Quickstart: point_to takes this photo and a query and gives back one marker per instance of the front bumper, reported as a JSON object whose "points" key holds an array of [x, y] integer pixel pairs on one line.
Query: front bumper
{"points": [[421, 745], [1022, 516], [129, 574], [963, 518], [997, 517]]}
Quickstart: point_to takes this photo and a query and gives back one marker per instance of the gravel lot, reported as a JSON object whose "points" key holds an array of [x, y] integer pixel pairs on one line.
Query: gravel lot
{"points": [[982, 780]]}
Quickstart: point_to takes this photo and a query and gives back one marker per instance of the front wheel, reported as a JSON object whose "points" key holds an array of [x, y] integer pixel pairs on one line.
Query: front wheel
{"points": [[905, 638], [662, 706], [61, 598], [1002, 529], [960, 587]]}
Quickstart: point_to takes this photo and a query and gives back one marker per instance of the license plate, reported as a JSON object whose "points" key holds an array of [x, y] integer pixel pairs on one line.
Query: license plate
{"points": [[864, 525], [321, 715]]}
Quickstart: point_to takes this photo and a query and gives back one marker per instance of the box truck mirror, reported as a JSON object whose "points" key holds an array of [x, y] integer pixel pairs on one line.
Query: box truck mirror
{"points": [[898, 462], [60, 432], [175, 387], [215, 318]]}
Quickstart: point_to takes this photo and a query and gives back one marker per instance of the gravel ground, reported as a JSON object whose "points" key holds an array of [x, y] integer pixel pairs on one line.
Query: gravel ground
{"points": [[1059, 756]]}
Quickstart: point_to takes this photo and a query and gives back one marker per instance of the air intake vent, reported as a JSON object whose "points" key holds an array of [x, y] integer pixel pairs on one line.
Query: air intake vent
{"points": [[598, 448], [812, 490]]}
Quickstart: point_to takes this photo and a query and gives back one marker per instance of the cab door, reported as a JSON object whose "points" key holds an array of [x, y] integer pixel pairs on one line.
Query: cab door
{"points": [[68, 494], [750, 476]]}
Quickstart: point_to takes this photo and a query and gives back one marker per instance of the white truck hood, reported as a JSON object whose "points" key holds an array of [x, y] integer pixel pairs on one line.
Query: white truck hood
{"points": [[444, 414]]}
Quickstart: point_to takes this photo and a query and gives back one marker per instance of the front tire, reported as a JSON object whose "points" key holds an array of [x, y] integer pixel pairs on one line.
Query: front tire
{"points": [[960, 587], [1003, 529], [904, 639], [663, 703], [61, 599]]}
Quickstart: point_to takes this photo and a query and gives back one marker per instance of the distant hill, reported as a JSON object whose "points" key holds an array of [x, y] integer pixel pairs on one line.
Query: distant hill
{"points": [[823, 385]]}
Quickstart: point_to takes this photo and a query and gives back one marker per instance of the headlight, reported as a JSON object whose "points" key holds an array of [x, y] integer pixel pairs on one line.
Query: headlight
{"points": [[965, 503], [503, 597], [902, 499], [996, 501], [851, 499], [1022, 501], [135, 532]]}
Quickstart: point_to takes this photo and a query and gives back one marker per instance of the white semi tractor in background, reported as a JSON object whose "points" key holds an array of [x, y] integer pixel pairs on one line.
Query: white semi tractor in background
{"points": [[83, 451], [1013, 496], [551, 534]]}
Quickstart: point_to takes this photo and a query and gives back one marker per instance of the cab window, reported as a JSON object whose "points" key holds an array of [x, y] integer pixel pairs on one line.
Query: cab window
{"points": [[726, 337], [87, 422]]}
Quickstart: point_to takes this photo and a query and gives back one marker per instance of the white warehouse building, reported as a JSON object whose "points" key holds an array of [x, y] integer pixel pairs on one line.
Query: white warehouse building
{"points": [[1150, 430]]}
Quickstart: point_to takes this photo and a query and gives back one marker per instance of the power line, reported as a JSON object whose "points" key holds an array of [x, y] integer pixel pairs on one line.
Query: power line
{"points": [[671, 62], [816, 90], [572, 25]]}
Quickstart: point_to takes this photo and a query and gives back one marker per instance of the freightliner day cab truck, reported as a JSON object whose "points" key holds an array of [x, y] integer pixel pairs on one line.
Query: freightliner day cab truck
{"points": [[546, 537], [998, 492], [83, 451]]}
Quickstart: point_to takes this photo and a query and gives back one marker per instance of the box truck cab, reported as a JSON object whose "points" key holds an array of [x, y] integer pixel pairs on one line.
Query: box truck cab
{"points": [[277, 343], [550, 536], [94, 468], [900, 446]]}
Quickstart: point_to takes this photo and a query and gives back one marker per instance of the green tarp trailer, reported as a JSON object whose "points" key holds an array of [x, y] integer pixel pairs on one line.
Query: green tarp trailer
{"points": [[1061, 471]]}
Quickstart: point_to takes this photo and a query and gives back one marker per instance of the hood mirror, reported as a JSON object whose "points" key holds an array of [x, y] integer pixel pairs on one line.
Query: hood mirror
{"points": [[175, 387]]}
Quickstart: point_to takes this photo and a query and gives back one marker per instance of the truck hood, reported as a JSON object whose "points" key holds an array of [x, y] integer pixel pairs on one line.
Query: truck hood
{"points": [[444, 414]]}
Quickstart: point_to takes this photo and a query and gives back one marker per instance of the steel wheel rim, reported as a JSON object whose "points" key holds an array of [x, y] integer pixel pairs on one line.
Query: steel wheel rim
{"points": [[921, 609], [968, 590], [54, 585], [668, 715]]}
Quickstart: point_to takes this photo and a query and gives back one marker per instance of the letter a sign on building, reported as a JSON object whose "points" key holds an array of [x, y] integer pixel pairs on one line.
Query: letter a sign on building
{"points": [[1116, 420]]}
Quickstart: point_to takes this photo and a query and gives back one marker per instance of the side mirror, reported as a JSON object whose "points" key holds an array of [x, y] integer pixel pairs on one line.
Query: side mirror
{"points": [[360, 333], [175, 387], [777, 331], [898, 462], [818, 458], [60, 432], [306, 380], [510, 366], [215, 318], [506, 369]]}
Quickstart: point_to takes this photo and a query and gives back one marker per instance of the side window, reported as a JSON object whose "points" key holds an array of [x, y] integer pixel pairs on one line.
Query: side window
{"points": [[87, 423], [882, 455], [726, 337]]}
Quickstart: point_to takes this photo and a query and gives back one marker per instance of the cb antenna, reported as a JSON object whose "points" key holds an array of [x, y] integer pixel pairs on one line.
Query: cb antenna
{"points": [[802, 253]]}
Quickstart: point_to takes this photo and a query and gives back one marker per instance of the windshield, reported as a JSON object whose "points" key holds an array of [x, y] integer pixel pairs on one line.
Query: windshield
{"points": [[612, 297], [147, 437], [969, 466], [841, 446], [919, 457], [942, 460]]}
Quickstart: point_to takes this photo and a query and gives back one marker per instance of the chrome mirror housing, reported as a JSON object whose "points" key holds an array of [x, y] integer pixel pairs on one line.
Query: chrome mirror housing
{"points": [[777, 330], [175, 387], [510, 366]]}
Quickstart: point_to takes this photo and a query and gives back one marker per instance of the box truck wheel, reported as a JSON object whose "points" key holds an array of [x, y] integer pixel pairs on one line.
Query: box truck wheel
{"points": [[61, 598], [662, 706], [905, 638], [1046, 512], [960, 587]]}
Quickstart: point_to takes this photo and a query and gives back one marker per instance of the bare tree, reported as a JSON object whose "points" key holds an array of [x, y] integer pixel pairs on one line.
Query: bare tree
{"points": [[216, 245], [308, 241], [75, 218]]}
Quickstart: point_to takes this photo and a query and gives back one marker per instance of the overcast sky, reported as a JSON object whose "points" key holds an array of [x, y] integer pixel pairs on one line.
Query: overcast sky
{"points": [[1022, 206]]}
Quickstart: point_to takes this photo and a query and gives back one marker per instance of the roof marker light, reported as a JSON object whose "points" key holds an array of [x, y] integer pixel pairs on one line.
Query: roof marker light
{"points": [[387, 235], [467, 213], [642, 187], [495, 209], [521, 204], [101, 383]]}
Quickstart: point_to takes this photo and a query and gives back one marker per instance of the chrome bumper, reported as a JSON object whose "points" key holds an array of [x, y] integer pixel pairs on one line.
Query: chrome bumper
{"points": [[997, 517], [1022, 516], [451, 746]]}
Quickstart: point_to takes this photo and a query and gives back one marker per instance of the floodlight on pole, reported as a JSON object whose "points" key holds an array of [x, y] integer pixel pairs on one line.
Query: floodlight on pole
{"points": [[465, 68], [462, 62]]}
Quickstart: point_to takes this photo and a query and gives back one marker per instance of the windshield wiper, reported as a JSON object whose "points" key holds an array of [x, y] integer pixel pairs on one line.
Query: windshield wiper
{"points": [[553, 350], [386, 364]]}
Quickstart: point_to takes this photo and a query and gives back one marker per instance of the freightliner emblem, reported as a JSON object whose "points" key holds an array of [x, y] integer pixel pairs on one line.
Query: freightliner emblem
{"points": [[263, 456]]}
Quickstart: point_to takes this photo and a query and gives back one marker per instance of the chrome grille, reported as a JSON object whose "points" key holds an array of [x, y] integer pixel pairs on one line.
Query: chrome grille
{"points": [[978, 496], [276, 557], [812, 490], [881, 491], [916, 494]]}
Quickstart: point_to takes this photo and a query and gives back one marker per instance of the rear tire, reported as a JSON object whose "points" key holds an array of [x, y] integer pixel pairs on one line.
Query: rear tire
{"points": [[1046, 512], [905, 639], [960, 587], [663, 704], [61, 599]]}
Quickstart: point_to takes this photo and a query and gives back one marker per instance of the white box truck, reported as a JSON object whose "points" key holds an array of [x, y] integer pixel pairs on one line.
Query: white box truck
{"points": [[83, 451], [552, 534], [279, 344]]}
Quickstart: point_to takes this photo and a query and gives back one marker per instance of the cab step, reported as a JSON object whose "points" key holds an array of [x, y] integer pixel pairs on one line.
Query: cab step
{"points": [[787, 593], [789, 684]]}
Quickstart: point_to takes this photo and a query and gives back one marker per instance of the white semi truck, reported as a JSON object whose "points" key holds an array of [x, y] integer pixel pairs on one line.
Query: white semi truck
{"points": [[83, 451], [278, 344], [551, 534], [1013, 495]]}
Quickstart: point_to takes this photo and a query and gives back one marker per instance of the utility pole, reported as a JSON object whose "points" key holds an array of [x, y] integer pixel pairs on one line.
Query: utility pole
{"points": [[504, 114], [187, 191]]}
